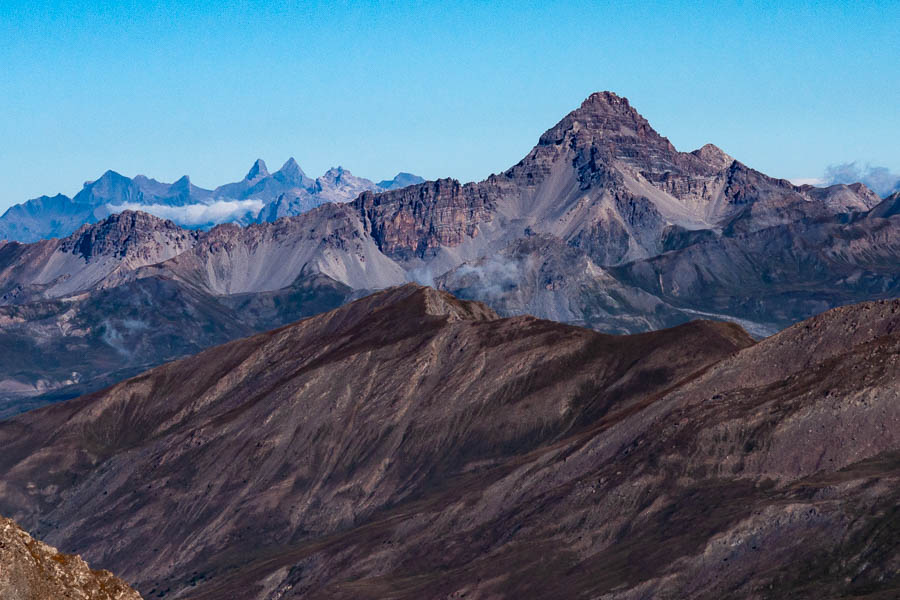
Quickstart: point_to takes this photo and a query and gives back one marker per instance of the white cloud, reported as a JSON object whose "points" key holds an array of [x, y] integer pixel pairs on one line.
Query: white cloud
{"points": [[217, 212], [879, 179], [807, 181]]}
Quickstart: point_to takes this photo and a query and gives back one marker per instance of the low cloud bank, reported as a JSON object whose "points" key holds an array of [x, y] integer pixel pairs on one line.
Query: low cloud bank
{"points": [[217, 212], [879, 179]]}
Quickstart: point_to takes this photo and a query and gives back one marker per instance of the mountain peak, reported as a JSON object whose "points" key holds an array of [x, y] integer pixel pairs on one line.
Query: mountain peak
{"points": [[183, 182], [400, 180], [603, 114], [108, 176], [607, 103], [257, 170], [714, 156], [334, 174], [291, 169], [413, 300], [123, 233]]}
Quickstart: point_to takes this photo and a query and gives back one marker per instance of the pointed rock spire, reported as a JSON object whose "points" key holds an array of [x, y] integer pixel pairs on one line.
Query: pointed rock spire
{"points": [[291, 169], [257, 170], [183, 182]]}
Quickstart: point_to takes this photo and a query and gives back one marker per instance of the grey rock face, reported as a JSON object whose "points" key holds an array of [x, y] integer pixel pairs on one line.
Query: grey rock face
{"points": [[540, 274]]}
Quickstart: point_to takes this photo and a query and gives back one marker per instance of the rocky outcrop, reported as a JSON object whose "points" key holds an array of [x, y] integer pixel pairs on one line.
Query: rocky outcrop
{"points": [[137, 237], [94, 257], [713, 156], [31, 570], [416, 221]]}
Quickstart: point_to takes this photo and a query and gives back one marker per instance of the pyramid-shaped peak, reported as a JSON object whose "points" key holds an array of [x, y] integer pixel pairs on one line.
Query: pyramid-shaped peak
{"points": [[108, 175], [291, 168], [605, 114], [257, 170], [110, 180]]}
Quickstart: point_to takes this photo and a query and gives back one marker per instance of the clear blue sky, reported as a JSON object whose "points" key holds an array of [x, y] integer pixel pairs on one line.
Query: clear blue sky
{"points": [[436, 88]]}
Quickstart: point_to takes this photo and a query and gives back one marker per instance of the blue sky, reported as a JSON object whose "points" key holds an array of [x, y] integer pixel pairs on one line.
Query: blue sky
{"points": [[436, 88]]}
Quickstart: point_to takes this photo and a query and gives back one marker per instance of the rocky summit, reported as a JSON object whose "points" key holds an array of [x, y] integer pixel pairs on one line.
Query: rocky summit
{"points": [[414, 445]]}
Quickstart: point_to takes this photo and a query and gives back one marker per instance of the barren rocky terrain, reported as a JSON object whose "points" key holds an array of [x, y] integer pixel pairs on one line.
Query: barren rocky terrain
{"points": [[31, 570], [413, 445]]}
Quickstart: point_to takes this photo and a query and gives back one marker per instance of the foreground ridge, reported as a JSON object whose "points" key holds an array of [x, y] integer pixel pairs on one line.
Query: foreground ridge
{"points": [[413, 445]]}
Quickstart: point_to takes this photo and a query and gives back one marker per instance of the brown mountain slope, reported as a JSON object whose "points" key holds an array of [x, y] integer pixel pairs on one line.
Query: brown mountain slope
{"points": [[411, 445], [31, 570], [282, 439]]}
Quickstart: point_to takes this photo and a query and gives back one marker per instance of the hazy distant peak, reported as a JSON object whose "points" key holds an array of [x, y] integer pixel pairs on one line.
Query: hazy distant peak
{"points": [[401, 180], [182, 183], [291, 169], [257, 170], [335, 174], [109, 176]]}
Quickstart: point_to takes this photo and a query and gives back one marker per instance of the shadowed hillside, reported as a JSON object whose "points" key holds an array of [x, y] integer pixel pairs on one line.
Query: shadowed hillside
{"points": [[412, 445]]}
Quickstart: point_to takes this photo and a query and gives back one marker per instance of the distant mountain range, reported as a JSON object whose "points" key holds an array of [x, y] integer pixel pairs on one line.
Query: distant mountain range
{"points": [[603, 224], [259, 197], [411, 445]]}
